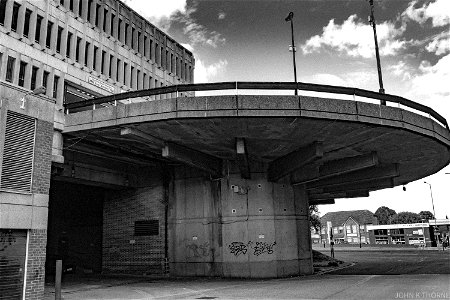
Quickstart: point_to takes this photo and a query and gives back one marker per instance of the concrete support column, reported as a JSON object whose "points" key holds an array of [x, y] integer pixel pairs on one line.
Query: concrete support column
{"points": [[93, 8], [54, 35], [27, 82], [106, 64], [108, 22], [120, 70], [303, 230], [115, 29], [63, 42], [146, 83], [101, 16], [75, 7], [113, 64], [82, 51], [21, 19], [32, 29], [84, 10], [43, 32], [8, 14]]}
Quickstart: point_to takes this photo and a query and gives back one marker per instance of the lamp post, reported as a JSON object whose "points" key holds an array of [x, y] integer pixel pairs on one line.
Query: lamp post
{"points": [[434, 213], [287, 19], [373, 24], [37, 91]]}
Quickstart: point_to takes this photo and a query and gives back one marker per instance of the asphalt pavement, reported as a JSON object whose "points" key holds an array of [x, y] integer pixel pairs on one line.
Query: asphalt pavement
{"points": [[401, 274]]}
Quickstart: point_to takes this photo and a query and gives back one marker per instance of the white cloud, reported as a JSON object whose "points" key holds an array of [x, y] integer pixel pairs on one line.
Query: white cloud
{"points": [[355, 38], [165, 13], [206, 73], [440, 44], [158, 14], [437, 11], [401, 69]]}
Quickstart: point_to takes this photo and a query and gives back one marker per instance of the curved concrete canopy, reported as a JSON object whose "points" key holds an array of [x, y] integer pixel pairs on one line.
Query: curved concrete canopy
{"points": [[273, 127]]}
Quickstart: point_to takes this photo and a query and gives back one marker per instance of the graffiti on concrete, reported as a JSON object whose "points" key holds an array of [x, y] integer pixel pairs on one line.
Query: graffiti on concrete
{"points": [[263, 247], [238, 248], [198, 251], [259, 248]]}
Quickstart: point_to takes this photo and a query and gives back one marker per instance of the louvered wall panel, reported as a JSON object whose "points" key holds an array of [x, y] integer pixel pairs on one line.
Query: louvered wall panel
{"points": [[17, 168]]}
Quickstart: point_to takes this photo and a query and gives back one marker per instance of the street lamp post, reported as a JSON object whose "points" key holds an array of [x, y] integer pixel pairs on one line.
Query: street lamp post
{"points": [[372, 22], [287, 19], [432, 203], [37, 91]]}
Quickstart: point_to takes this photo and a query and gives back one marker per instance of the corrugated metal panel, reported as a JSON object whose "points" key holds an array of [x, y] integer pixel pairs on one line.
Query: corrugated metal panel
{"points": [[18, 153], [13, 245]]}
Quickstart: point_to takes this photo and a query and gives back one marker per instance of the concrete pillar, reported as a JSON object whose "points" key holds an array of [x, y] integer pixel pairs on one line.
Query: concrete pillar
{"points": [[108, 22], [54, 35], [32, 29], [8, 14], [84, 10], [113, 64], [93, 8], [90, 56], [43, 32], [21, 19], [303, 230], [27, 81], [106, 64], [238, 227], [120, 71], [82, 48], [128, 35], [75, 7]]}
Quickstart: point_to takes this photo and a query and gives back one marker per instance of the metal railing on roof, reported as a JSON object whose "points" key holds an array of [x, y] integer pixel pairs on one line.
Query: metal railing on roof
{"points": [[244, 85]]}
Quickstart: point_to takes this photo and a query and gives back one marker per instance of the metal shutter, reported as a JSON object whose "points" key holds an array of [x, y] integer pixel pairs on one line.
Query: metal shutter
{"points": [[146, 227], [13, 245], [18, 152]]}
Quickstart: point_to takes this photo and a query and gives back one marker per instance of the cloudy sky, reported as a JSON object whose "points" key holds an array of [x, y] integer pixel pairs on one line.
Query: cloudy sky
{"points": [[248, 40]]}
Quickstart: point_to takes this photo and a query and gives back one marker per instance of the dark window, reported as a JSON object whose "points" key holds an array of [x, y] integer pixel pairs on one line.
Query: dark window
{"points": [[86, 53], [71, 5], [110, 65], [55, 86], [45, 79], [80, 7], [89, 10], [77, 50], [61, 2], [139, 42], [138, 84], [15, 16], [399, 231], [37, 34], [126, 34], [131, 78], [102, 69], [95, 58], [113, 17], [133, 35], [125, 69], [105, 13], [117, 72], [380, 232], [69, 43], [26, 26], [58, 39], [146, 227], [22, 70], [34, 71], [10, 69], [49, 34], [151, 51], [2, 11], [97, 14], [119, 28]]}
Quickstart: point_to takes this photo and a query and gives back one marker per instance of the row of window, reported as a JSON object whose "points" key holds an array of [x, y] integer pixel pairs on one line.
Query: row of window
{"points": [[24, 72], [69, 44]]}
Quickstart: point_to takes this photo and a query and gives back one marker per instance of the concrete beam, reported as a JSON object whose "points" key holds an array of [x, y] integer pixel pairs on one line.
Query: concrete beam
{"points": [[242, 158], [152, 141], [193, 158], [333, 168], [294, 160], [369, 185], [350, 194], [377, 172]]}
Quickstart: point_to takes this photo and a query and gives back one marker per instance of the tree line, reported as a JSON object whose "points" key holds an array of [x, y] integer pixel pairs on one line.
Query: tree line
{"points": [[385, 215]]}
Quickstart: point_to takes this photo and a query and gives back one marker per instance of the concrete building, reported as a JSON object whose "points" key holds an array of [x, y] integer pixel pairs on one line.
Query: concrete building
{"points": [[347, 226], [158, 181], [77, 50]]}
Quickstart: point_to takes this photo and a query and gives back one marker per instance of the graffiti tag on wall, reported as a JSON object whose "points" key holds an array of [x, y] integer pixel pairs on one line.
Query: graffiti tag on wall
{"points": [[238, 248], [198, 251]]}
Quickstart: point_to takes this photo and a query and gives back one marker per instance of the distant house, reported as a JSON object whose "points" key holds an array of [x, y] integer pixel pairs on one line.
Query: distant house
{"points": [[347, 226]]}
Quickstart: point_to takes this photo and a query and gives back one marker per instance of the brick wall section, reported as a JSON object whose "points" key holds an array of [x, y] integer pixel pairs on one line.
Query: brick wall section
{"points": [[36, 264], [42, 157], [144, 254]]}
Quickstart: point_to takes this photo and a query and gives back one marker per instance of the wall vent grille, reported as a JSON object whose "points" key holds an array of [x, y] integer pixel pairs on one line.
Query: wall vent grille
{"points": [[146, 227], [17, 167]]}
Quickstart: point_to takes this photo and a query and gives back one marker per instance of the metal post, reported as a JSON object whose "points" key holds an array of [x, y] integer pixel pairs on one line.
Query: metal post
{"points": [[380, 78], [58, 279], [434, 213], [290, 18]]}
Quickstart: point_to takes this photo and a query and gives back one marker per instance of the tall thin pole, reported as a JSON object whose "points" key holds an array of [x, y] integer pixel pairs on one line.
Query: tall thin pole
{"points": [[380, 77], [432, 203], [290, 18]]}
